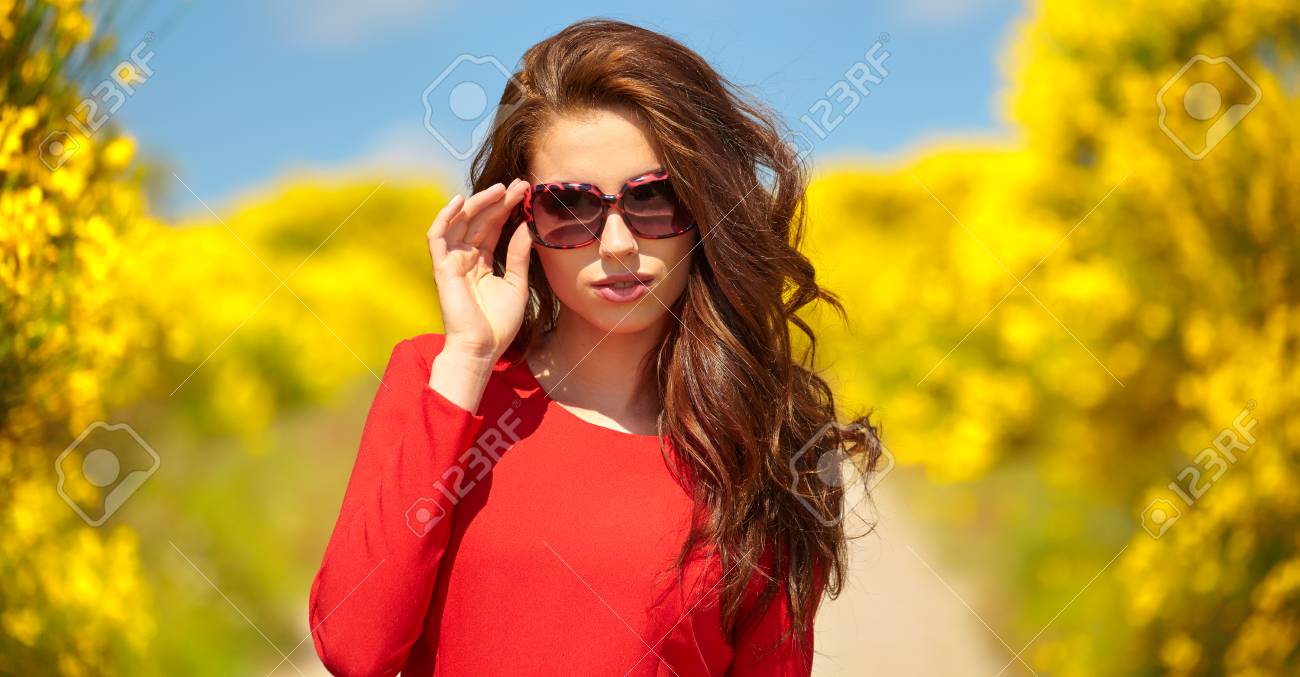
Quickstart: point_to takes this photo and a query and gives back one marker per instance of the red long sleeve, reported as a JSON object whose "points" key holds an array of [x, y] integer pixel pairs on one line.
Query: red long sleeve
{"points": [[756, 651], [553, 560], [369, 599]]}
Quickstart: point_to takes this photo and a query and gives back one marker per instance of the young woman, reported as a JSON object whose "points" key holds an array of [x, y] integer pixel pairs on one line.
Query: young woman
{"points": [[611, 462]]}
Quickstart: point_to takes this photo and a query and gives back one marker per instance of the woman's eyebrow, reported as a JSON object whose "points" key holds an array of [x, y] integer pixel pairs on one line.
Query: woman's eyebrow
{"points": [[648, 171]]}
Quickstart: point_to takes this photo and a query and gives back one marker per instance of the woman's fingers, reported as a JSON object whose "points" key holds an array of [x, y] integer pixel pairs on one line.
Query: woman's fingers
{"points": [[459, 226], [443, 217], [472, 223], [485, 225], [437, 232], [517, 256], [461, 242]]}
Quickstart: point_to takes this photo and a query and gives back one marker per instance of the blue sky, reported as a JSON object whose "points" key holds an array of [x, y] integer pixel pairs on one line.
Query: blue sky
{"points": [[245, 93]]}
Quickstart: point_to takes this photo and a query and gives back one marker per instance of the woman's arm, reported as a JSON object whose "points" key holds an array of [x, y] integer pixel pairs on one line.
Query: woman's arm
{"points": [[370, 597], [756, 650]]}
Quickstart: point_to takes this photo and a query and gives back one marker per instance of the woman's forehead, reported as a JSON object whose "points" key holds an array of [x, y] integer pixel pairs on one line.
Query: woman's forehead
{"points": [[604, 147]]}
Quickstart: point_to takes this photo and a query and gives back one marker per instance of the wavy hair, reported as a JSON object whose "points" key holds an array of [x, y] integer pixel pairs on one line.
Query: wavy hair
{"points": [[738, 407]]}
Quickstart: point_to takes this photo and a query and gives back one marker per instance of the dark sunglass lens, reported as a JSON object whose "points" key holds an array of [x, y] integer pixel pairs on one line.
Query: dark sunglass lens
{"points": [[566, 217], [654, 210]]}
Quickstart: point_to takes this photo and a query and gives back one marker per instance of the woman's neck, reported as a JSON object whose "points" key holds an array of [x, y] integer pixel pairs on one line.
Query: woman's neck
{"points": [[589, 368]]}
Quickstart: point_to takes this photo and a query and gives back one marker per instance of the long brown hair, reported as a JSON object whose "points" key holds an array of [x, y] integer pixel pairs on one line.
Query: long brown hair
{"points": [[737, 406]]}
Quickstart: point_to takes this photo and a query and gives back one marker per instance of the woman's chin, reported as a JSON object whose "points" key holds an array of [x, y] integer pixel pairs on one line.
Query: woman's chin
{"points": [[619, 318]]}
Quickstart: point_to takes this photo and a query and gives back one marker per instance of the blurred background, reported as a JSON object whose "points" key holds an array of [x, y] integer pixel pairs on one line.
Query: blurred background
{"points": [[1064, 232]]}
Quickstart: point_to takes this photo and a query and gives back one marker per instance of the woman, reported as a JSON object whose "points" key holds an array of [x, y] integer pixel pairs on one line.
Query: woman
{"points": [[609, 462]]}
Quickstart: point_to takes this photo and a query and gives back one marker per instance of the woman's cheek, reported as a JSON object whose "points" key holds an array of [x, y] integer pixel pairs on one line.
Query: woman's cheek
{"points": [[563, 276]]}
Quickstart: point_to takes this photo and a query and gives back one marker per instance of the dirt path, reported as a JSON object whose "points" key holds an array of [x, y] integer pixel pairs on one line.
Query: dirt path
{"points": [[897, 616]]}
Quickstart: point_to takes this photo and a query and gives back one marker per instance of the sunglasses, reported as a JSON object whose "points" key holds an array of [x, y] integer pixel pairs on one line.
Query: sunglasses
{"points": [[570, 215]]}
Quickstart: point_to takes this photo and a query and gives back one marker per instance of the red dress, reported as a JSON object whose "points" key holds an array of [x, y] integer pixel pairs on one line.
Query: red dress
{"points": [[522, 540]]}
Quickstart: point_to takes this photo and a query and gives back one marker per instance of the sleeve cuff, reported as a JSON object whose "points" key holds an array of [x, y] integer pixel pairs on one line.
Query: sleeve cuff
{"points": [[448, 418]]}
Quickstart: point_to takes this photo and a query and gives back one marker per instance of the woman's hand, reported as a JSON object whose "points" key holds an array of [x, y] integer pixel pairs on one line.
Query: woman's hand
{"points": [[481, 312]]}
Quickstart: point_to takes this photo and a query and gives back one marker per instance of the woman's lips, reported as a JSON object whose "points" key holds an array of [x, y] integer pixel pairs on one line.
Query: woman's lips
{"points": [[625, 295]]}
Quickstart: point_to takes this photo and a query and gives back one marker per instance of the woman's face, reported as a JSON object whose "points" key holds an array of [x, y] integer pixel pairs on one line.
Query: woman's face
{"points": [[606, 148]]}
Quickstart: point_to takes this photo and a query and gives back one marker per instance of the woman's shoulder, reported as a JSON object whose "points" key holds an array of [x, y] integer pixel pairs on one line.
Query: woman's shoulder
{"points": [[425, 346]]}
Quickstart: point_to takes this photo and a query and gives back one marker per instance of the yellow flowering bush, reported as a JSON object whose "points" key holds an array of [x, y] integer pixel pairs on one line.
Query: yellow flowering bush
{"points": [[1160, 300], [108, 315], [73, 599], [356, 279], [1052, 332], [249, 390]]}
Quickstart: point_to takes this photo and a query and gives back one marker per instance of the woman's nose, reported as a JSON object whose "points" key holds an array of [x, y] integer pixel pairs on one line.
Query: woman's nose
{"points": [[617, 239]]}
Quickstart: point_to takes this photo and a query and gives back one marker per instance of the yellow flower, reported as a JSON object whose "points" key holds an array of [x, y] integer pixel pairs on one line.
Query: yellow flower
{"points": [[118, 152]]}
